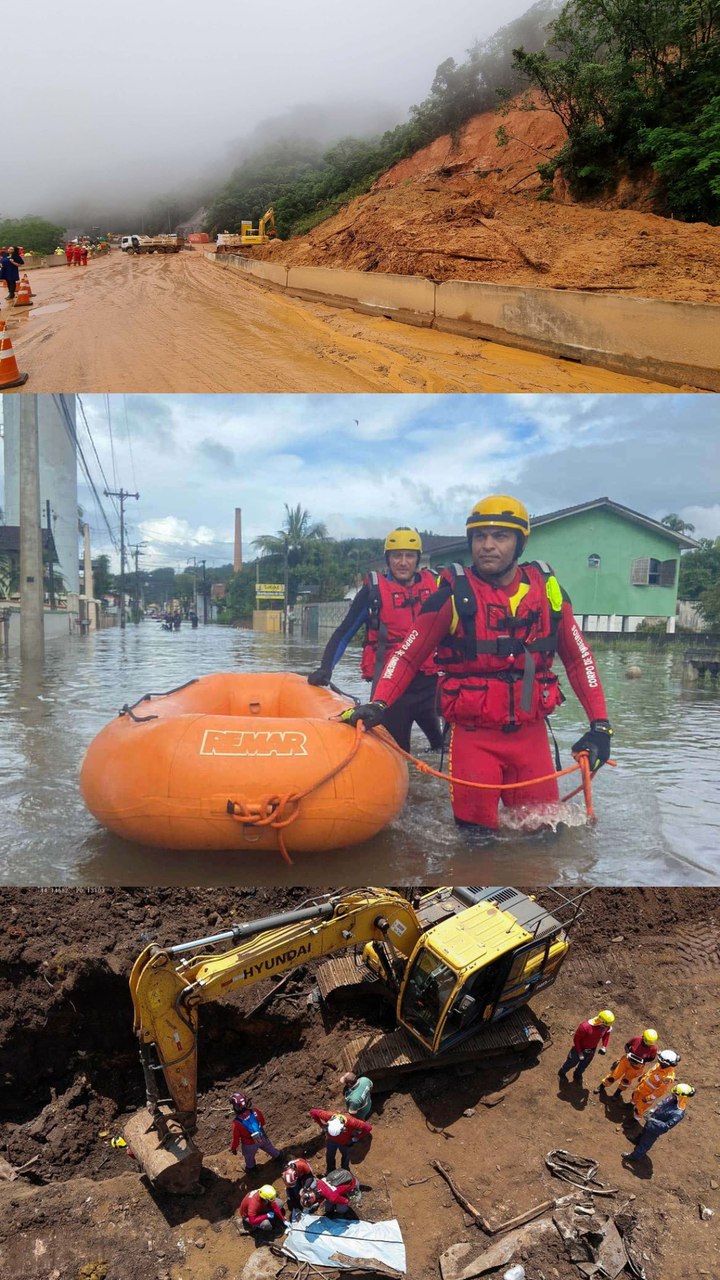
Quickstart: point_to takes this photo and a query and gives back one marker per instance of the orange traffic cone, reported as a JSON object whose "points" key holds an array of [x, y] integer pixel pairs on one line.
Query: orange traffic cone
{"points": [[10, 375], [22, 294], [27, 282]]}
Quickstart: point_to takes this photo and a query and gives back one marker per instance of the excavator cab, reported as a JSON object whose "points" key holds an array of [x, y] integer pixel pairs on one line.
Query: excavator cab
{"points": [[476, 966]]}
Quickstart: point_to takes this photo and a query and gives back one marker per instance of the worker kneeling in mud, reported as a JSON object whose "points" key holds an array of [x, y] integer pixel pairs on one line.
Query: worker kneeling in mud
{"points": [[497, 627], [301, 1186], [339, 1191], [262, 1211], [387, 605]]}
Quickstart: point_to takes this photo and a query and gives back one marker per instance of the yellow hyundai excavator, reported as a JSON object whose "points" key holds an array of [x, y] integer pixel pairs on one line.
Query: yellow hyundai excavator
{"points": [[458, 964]]}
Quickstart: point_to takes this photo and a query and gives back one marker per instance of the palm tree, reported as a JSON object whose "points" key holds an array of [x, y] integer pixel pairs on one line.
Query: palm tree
{"points": [[674, 522], [297, 530], [289, 543]]}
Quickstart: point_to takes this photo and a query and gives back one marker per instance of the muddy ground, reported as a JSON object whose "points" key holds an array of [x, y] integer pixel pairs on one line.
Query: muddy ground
{"points": [[70, 1077], [479, 211], [179, 323]]}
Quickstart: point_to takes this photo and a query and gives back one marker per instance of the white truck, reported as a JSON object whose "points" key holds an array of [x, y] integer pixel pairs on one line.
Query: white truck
{"points": [[151, 244]]}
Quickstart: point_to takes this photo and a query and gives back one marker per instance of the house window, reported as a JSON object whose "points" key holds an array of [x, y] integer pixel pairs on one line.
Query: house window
{"points": [[648, 572], [593, 561]]}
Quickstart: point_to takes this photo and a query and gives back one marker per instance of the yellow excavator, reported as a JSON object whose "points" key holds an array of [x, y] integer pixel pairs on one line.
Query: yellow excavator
{"points": [[231, 241], [458, 964]]}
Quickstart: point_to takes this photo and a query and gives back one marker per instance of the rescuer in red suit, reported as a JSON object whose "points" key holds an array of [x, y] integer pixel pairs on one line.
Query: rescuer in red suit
{"points": [[497, 627]]}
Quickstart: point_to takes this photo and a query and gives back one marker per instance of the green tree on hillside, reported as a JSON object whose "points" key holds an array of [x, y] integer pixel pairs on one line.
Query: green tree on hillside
{"points": [[618, 71]]}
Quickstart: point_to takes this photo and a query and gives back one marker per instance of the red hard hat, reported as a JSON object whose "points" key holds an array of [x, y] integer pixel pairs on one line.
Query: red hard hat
{"points": [[240, 1102]]}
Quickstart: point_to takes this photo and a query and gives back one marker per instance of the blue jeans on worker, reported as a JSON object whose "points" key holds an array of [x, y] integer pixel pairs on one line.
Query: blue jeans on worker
{"points": [[648, 1138], [331, 1150], [580, 1061]]}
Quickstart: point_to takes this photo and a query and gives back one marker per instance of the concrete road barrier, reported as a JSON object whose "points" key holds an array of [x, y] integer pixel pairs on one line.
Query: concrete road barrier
{"points": [[270, 273], [673, 342], [410, 299]]}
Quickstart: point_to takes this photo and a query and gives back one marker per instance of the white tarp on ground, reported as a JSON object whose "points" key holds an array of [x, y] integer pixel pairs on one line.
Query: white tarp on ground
{"points": [[321, 1240]]}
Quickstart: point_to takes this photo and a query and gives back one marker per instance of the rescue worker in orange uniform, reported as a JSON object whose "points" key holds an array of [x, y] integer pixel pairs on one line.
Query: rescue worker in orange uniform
{"points": [[387, 605], [656, 1082], [69, 253], [497, 627], [77, 255], [83, 255], [640, 1051]]}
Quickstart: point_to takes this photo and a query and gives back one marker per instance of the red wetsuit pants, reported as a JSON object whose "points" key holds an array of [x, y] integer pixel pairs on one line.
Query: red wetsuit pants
{"points": [[489, 755]]}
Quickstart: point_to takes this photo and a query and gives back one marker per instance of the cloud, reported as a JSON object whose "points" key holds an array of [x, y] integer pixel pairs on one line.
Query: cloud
{"points": [[422, 460]]}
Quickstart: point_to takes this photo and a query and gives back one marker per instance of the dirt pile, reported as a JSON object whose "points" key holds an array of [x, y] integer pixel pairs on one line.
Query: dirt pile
{"points": [[479, 211], [71, 1075]]}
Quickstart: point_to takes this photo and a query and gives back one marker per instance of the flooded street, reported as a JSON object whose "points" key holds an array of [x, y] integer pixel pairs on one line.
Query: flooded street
{"points": [[659, 811]]}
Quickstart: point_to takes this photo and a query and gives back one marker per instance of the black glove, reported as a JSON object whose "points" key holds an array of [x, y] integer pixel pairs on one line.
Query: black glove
{"points": [[597, 744], [371, 714], [321, 676]]}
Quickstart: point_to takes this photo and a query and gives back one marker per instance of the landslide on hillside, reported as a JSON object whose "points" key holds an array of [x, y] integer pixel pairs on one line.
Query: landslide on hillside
{"points": [[472, 211]]}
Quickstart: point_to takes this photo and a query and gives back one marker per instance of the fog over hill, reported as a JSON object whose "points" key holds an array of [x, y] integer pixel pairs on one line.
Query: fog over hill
{"points": [[124, 109]]}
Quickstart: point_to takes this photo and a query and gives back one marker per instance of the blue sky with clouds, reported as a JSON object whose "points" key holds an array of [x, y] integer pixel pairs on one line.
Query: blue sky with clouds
{"points": [[362, 464]]}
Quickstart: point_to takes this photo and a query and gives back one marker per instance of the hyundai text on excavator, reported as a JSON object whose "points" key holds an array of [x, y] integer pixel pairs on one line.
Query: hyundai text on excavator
{"points": [[459, 965]]}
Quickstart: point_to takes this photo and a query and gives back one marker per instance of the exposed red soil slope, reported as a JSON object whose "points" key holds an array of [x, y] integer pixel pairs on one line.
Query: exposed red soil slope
{"points": [[473, 212]]}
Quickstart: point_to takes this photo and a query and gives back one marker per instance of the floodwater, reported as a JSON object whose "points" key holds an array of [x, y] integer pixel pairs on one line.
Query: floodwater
{"points": [[658, 811]]}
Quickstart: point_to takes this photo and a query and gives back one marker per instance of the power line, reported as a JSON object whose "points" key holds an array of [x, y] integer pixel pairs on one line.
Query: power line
{"points": [[72, 433], [112, 445], [129, 439]]}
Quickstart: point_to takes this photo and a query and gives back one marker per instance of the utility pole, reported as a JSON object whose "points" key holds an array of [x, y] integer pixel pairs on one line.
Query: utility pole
{"points": [[32, 627], [204, 594], [51, 573], [137, 552], [122, 494]]}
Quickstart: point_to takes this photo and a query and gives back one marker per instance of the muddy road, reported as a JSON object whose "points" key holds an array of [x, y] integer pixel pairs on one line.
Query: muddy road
{"points": [[71, 1077], [179, 323]]}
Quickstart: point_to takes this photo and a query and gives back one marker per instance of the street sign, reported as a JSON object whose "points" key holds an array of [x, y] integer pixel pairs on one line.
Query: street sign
{"points": [[270, 591]]}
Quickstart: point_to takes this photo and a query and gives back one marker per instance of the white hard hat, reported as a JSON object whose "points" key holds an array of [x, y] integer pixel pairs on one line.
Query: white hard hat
{"points": [[336, 1126]]}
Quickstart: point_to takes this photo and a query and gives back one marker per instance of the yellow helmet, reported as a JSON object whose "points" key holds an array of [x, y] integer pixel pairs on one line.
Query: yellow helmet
{"points": [[606, 1016], [684, 1091], [650, 1036], [403, 539], [267, 1192], [499, 511]]}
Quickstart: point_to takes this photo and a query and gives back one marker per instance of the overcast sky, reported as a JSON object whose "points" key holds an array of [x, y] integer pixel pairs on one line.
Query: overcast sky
{"points": [[363, 464], [136, 98]]}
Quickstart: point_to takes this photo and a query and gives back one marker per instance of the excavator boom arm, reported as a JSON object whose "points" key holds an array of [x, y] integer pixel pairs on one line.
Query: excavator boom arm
{"points": [[168, 984]]}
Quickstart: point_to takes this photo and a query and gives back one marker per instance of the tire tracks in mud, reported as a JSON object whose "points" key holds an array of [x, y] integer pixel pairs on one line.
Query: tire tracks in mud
{"points": [[181, 324]]}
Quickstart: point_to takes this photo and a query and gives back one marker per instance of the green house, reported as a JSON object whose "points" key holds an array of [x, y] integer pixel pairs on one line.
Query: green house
{"points": [[619, 567]]}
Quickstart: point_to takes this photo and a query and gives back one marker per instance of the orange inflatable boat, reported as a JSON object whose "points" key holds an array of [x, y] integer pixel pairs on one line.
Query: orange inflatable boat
{"points": [[242, 761]]}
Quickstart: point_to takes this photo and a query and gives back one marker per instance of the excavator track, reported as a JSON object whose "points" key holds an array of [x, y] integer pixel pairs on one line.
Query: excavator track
{"points": [[386, 1056]]}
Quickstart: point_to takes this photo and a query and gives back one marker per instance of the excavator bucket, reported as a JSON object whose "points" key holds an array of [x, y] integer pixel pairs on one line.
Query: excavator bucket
{"points": [[171, 1162]]}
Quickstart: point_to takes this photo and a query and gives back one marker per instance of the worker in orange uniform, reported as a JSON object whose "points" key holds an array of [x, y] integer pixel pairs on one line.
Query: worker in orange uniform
{"points": [[640, 1051], [84, 254], [341, 1133], [262, 1211], [497, 627], [69, 253], [592, 1035], [656, 1082]]}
